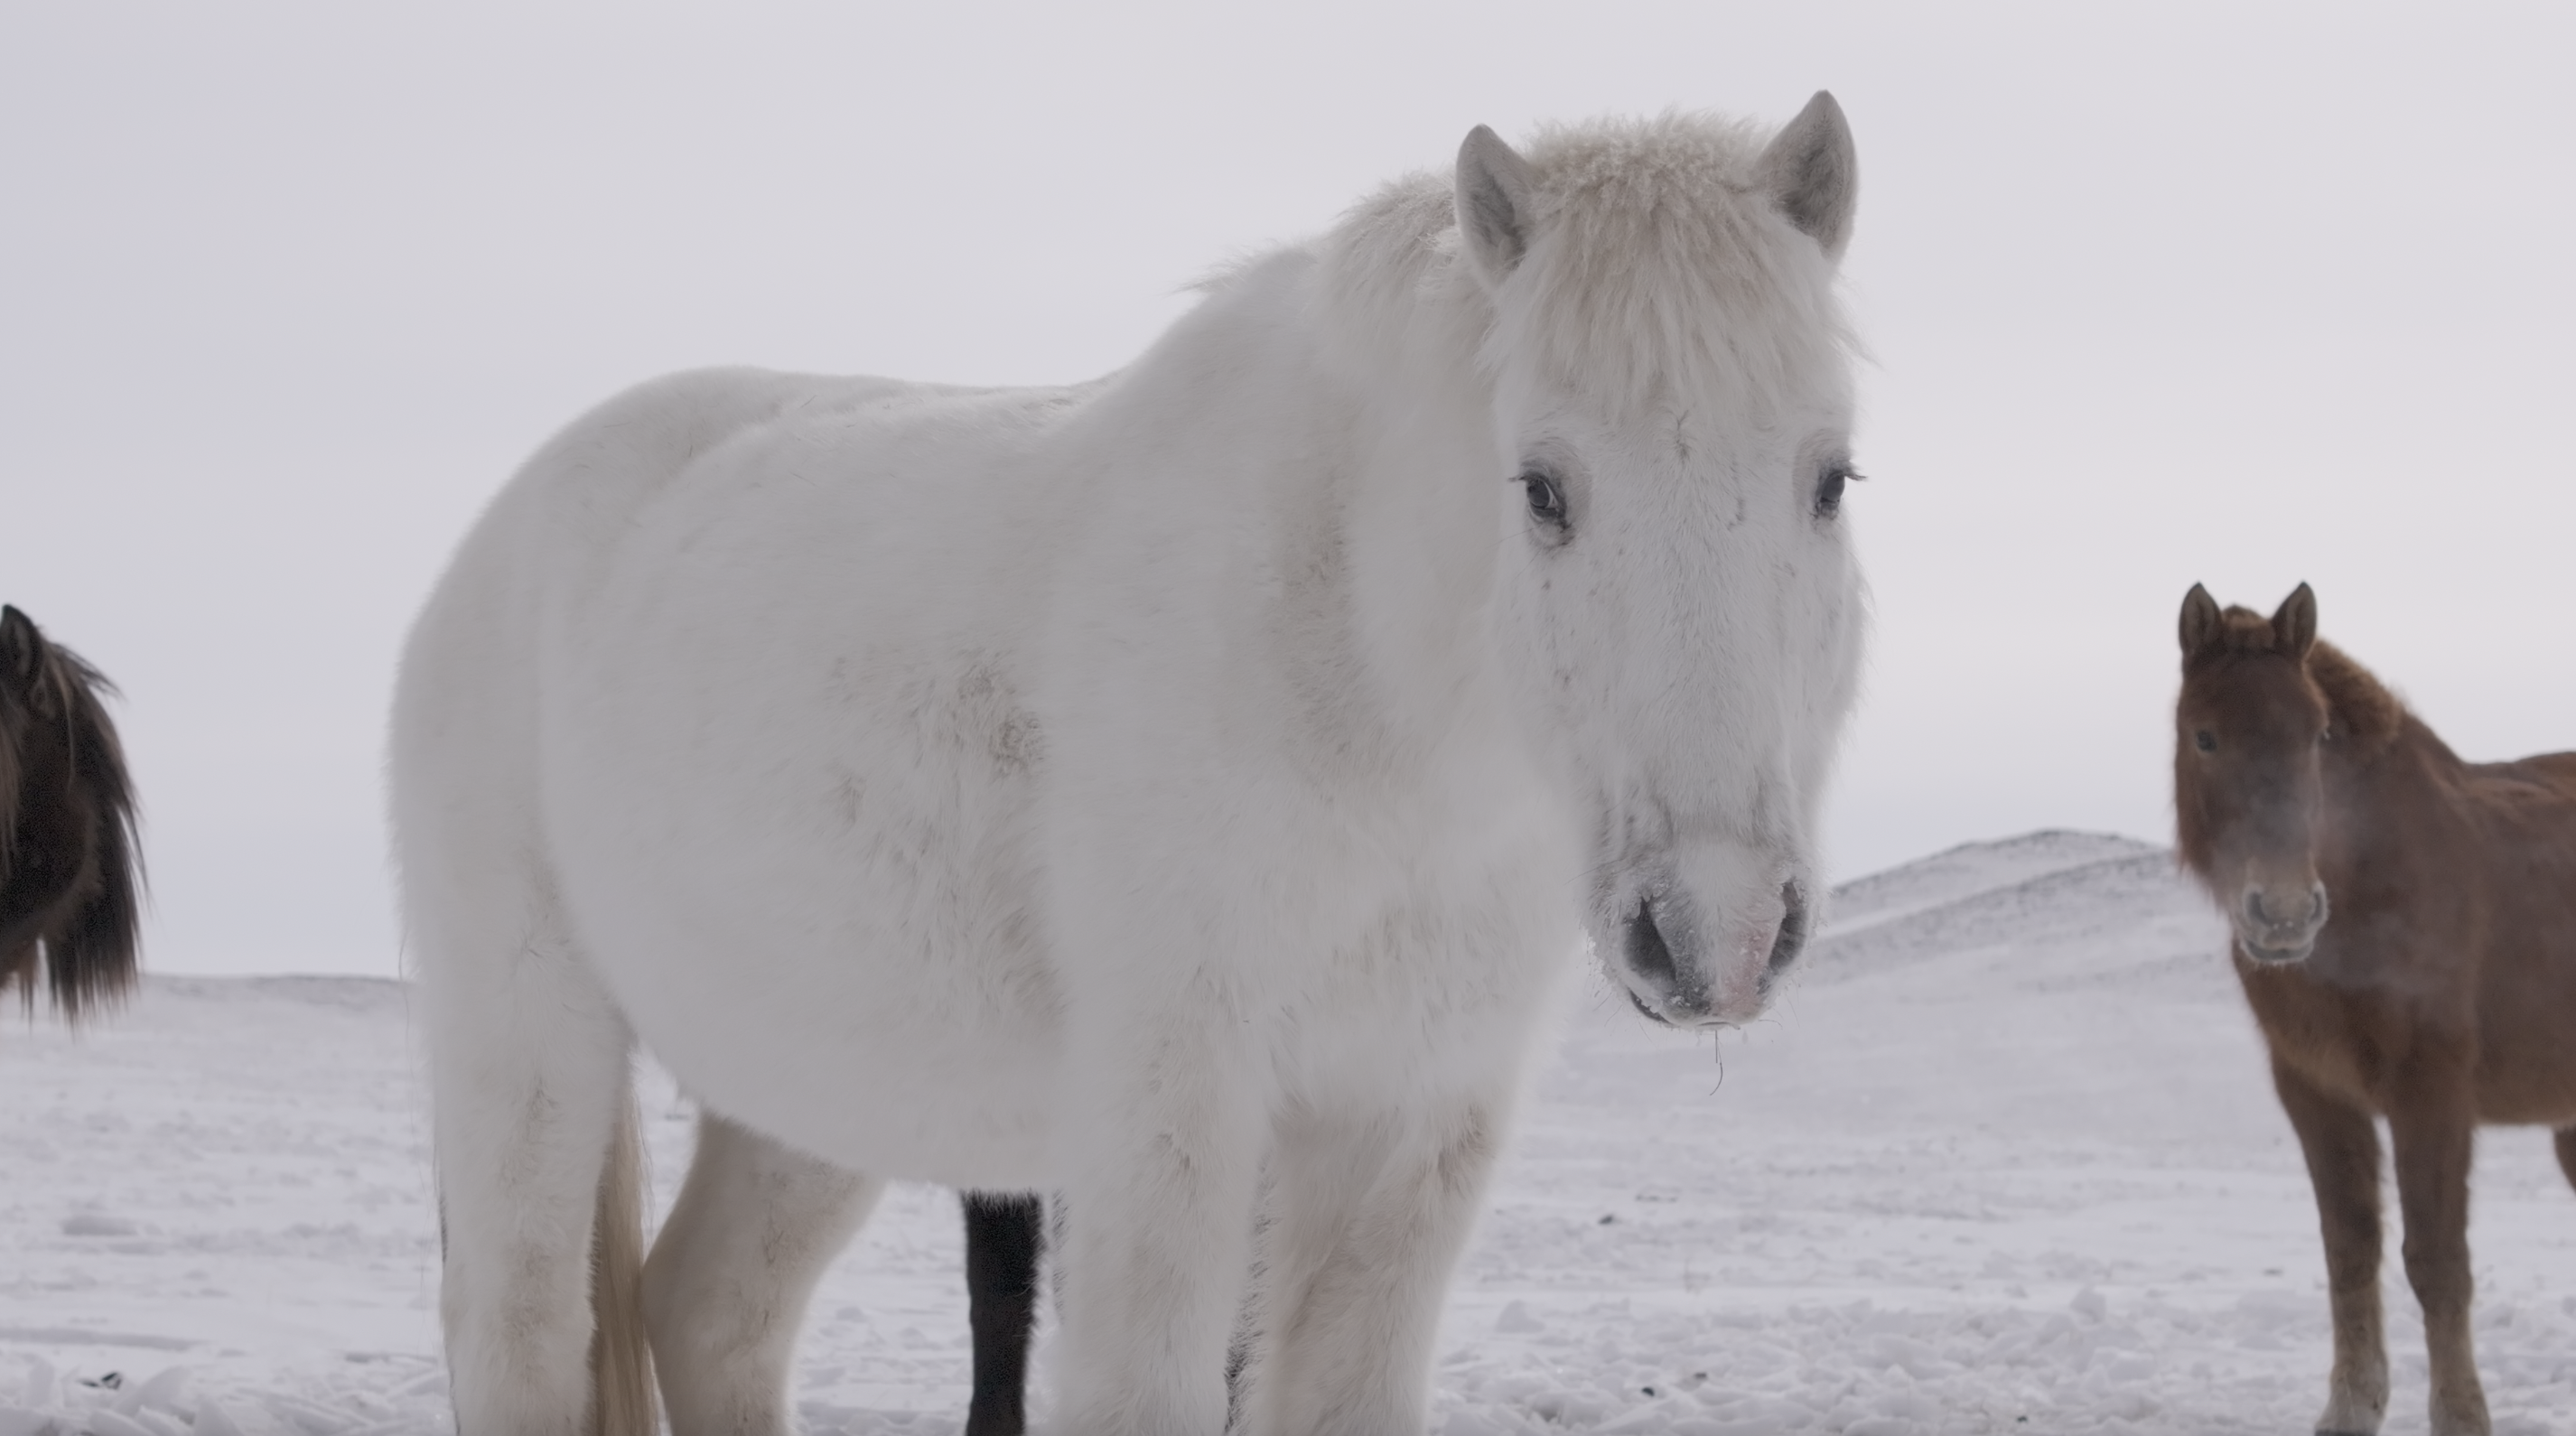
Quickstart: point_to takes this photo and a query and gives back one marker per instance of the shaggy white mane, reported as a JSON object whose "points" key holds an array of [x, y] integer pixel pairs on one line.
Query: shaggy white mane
{"points": [[1661, 273]]}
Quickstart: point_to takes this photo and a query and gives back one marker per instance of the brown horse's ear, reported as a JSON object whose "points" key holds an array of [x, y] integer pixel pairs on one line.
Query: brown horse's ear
{"points": [[2294, 626], [22, 650], [2200, 621]]}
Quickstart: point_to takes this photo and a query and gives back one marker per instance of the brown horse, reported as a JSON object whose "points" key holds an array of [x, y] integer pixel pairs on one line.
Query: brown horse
{"points": [[70, 874], [2405, 929]]}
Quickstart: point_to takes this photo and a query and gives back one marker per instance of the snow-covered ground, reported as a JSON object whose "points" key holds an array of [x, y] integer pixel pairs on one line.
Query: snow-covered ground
{"points": [[2005, 1160]]}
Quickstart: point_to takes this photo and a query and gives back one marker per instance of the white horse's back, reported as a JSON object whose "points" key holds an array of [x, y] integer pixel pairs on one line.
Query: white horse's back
{"points": [[786, 617], [1133, 789]]}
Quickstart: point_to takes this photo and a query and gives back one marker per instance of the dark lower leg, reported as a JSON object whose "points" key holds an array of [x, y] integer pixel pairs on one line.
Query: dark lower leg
{"points": [[1005, 1236]]}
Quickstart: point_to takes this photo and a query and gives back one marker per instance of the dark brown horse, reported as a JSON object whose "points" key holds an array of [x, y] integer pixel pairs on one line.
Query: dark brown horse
{"points": [[70, 874], [2405, 929]]}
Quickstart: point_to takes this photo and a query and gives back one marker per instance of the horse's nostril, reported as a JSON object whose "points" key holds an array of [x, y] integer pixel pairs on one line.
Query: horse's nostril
{"points": [[2310, 914], [1648, 955], [1793, 928]]}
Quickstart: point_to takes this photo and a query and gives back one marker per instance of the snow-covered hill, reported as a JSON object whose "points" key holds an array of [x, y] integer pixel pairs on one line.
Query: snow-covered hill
{"points": [[2004, 1159]]}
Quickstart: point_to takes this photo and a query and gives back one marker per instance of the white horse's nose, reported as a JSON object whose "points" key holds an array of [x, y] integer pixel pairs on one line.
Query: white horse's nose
{"points": [[1676, 975]]}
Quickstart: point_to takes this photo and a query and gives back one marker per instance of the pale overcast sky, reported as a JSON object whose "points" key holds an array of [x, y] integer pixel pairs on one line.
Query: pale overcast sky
{"points": [[2159, 293]]}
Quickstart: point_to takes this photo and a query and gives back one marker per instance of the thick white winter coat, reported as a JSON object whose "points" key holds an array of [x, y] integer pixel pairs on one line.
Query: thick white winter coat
{"points": [[1127, 789]]}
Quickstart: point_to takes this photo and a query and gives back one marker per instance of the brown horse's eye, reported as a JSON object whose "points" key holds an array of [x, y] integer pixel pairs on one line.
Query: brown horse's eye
{"points": [[2204, 742]]}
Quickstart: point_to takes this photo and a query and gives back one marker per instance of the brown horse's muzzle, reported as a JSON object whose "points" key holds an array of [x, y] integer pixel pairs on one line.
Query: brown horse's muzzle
{"points": [[2279, 922]]}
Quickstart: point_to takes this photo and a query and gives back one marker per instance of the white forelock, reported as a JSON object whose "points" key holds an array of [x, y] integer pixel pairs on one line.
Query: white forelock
{"points": [[1660, 274]]}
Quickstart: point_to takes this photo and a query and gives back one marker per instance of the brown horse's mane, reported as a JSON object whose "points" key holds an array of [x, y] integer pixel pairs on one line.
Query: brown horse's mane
{"points": [[2368, 714], [86, 926]]}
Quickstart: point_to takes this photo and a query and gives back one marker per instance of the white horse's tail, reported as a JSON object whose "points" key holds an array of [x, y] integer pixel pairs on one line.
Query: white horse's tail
{"points": [[622, 1398]]}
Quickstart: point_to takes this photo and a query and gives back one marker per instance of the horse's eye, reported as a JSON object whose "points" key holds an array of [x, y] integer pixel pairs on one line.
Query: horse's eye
{"points": [[2204, 742], [1546, 500], [1829, 488]]}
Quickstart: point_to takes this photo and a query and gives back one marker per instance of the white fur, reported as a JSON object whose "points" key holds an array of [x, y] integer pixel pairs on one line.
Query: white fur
{"points": [[1108, 789], [755, 1226]]}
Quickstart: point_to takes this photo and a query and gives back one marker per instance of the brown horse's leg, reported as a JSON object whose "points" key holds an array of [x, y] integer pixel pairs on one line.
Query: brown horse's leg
{"points": [[2567, 1152], [2434, 1133], [2342, 1148]]}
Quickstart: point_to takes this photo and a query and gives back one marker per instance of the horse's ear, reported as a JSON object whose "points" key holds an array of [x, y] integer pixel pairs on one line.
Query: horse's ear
{"points": [[1812, 171], [2294, 626], [1494, 204], [22, 649], [2200, 621]]}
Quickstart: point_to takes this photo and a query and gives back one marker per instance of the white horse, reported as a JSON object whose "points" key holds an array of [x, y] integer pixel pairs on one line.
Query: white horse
{"points": [[1136, 788]]}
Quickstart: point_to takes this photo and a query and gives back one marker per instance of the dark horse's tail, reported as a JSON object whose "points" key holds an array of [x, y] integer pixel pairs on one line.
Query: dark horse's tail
{"points": [[71, 873]]}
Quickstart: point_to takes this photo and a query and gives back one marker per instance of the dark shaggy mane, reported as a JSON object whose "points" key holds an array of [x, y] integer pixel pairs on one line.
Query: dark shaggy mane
{"points": [[2242, 630], [2366, 713], [71, 874], [13, 725]]}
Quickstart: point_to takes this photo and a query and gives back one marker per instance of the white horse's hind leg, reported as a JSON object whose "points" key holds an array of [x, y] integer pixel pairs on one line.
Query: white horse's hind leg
{"points": [[1367, 1219], [529, 1067], [725, 1289]]}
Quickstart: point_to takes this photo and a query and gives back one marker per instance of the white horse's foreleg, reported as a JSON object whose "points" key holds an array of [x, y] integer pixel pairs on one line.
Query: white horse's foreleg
{"points": [[1366, 1223], [528, 1063], [756, 1224], [1158, 1219]]}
